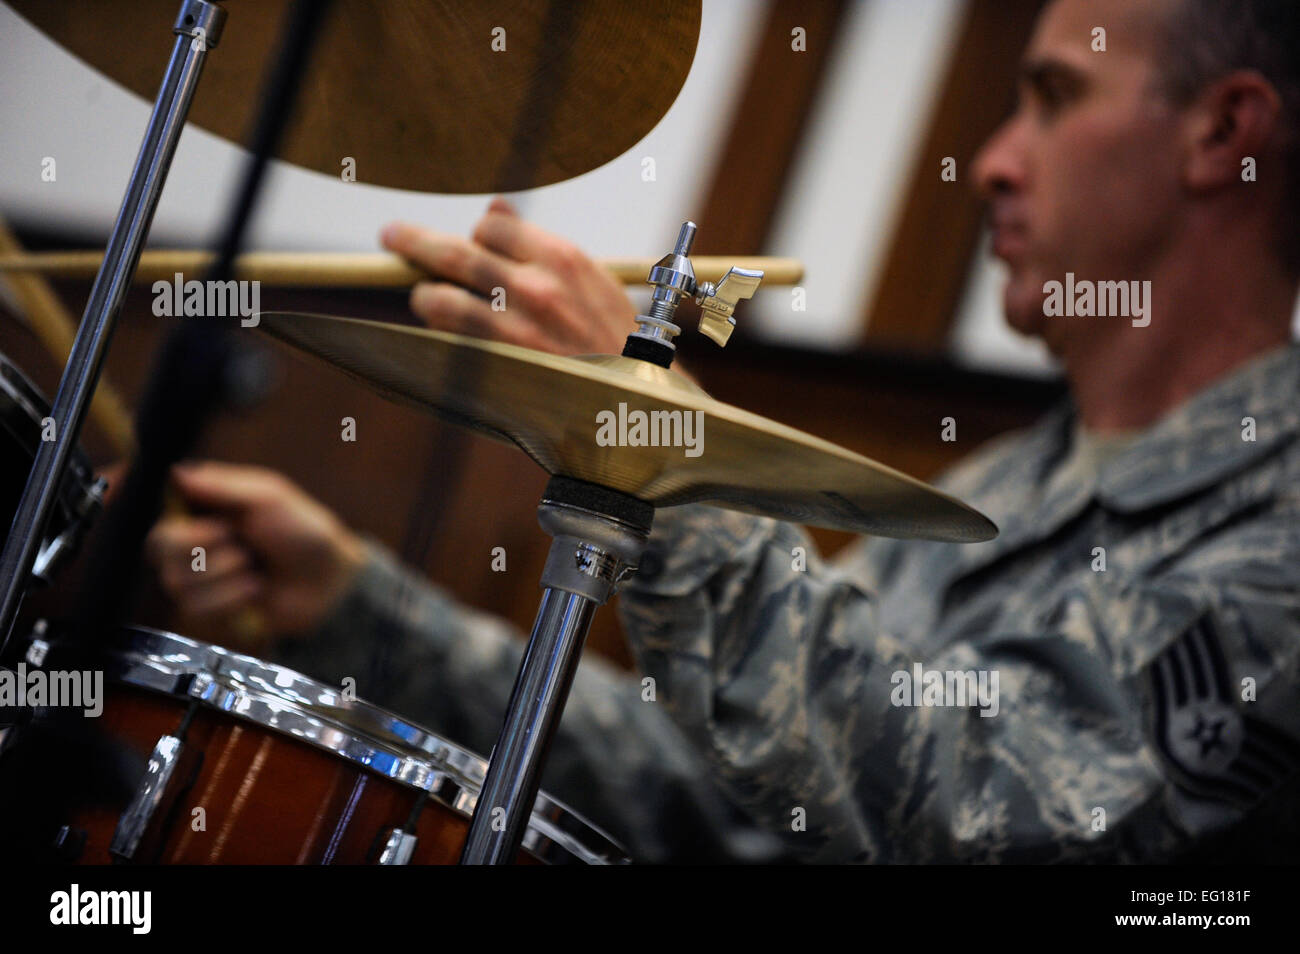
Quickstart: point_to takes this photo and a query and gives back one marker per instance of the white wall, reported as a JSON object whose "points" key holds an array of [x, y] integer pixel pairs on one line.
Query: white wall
{"points": [[855, 163]]}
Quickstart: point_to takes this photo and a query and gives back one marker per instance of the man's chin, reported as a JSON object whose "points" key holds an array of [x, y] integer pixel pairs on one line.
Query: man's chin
{"points": [[1023, 308]]}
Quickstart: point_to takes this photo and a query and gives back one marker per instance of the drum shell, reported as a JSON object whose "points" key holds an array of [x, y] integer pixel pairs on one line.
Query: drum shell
{"points": [[266, 798], [286, 769]]}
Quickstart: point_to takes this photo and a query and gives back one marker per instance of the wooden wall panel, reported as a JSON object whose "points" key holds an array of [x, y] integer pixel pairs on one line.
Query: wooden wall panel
{"points": [[925, 272], [777, 98]]}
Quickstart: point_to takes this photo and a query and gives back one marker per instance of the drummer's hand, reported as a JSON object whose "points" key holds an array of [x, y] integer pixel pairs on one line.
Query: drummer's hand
{"points": [[556, 298], [267, 544]]}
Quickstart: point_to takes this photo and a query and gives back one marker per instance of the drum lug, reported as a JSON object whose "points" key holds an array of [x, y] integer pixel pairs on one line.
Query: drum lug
{"points": [[144, 804], [38, 648], [51, 553], [69, 843], [399, 848]]}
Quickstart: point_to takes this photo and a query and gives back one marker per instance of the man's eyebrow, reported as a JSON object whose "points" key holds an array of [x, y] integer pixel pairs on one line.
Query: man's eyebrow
{"points": [[1038, 73]]}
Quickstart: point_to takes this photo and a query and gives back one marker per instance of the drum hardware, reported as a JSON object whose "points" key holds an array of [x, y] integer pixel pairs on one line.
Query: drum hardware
{"points": [[38, 648], [149, 796], [673, 278], [198, 364], [79, 498], [598, 538], [152, 792], [600, 502], [53, 552], [56, 329], [13, 717], [69, 843], [198, 28], [288, 769], [399, 847]]}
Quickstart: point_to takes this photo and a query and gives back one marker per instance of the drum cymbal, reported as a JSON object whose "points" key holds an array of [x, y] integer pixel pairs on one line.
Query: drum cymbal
{"points": [[419, 93], [593, 417]]}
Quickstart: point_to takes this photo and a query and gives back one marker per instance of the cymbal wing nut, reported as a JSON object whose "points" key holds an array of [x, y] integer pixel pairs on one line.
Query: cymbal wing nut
{"points": [[718, 302]]}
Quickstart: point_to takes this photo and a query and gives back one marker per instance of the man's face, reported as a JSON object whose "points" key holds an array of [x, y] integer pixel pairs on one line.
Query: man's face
{"points": [[1084, 177]]}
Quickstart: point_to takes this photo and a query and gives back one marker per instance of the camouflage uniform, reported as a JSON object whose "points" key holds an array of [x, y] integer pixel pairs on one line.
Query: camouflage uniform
{"points": [[1143, 708], [617, 759]]}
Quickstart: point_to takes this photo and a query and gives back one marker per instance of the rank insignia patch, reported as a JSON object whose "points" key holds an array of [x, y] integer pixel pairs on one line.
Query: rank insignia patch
{"points": [[1215, 749]]}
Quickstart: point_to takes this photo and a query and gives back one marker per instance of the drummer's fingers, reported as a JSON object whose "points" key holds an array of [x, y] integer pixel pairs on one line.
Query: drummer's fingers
{"points": [[449, 257], [215, 565], [451, 308], [501, 230], [174, 539], [181, 570], [233, 487], [583, 305], [500, 203], [222, 596]]}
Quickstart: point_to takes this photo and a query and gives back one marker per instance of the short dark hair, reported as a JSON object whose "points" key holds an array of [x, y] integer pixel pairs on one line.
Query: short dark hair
{"points": [[1208, 39]]}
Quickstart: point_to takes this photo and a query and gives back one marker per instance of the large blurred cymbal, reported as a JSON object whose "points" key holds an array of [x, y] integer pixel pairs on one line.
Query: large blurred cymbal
{"points": [[548, 406], [412, 90]]}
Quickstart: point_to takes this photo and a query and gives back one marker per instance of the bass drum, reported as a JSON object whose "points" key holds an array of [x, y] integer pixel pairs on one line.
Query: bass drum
{"points": [[23, 409], [246, 762]]}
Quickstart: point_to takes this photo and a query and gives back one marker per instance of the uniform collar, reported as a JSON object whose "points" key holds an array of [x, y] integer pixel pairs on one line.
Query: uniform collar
{"points": [[1195, 446], [1203, 441]]}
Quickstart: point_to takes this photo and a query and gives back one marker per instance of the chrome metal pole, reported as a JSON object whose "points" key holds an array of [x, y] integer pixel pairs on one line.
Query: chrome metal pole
{"points": [[514, 775], [592, 552], [198, 28]]}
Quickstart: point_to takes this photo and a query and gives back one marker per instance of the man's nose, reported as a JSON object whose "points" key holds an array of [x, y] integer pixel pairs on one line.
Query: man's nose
{"points": [[999, 166]]}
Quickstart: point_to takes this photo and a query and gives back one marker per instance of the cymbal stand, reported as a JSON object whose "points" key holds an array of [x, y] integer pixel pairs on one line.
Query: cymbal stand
{"points": [[198, 29], [599, 536]]}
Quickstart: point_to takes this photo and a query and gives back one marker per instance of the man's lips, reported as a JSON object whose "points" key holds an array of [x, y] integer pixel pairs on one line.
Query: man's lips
{"points": [[1010, 232], [1009, 241]]}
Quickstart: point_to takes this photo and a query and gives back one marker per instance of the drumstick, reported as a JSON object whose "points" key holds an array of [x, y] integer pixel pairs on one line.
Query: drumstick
{"points": [[352, 269], [55, 328]]}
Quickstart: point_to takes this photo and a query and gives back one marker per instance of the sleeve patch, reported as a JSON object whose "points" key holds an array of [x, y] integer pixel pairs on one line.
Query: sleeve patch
{"points": [[1213, 748]]}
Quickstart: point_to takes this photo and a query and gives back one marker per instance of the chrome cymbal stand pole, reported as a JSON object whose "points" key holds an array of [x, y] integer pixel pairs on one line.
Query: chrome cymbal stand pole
{"points": [[198, 28], [599, 537]]}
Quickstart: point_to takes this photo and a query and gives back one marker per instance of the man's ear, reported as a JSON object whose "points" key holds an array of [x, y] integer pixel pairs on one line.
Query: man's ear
{"points": [[1235, 118]]}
